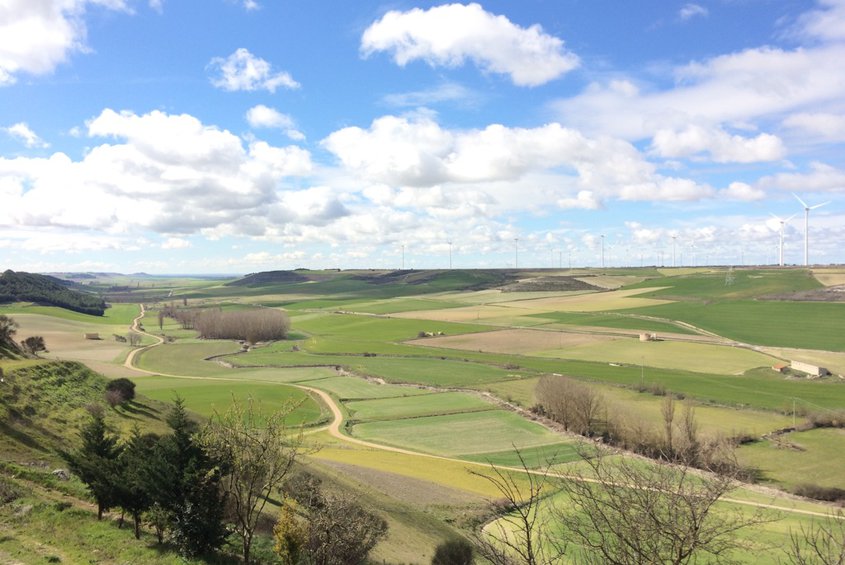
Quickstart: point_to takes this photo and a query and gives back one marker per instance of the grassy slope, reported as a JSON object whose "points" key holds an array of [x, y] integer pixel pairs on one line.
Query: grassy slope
{"points": [[41, 408]]}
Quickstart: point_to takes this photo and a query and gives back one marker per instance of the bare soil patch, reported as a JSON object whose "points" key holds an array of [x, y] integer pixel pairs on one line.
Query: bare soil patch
{"points": [[550, 283], [832, 293]]}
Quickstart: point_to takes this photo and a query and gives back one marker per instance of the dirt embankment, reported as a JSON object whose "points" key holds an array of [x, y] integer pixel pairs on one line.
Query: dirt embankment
{"points": [[827, 294]]}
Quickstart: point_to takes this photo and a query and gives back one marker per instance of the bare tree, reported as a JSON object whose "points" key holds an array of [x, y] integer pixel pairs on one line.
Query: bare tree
{"points": [[822, 543], [259, 451], [134, 339], [575, 405], [667, 409], [625, 511], [522, 535]]}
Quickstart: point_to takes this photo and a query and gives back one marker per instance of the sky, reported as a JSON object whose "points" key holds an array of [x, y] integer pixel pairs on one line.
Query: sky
{"points": [[238, 136]]}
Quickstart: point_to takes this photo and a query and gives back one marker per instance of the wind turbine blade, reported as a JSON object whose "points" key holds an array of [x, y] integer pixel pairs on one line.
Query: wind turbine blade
{"points": [[804, 204], [819, 205], [776, 217], [789, 218]]}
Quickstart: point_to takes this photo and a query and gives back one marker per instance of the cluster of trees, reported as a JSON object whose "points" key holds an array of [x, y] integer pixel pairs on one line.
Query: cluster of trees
{"points": [[43, 289], [32, 345], [252, 325], [579, 408], [170, 479], [195, 486]]}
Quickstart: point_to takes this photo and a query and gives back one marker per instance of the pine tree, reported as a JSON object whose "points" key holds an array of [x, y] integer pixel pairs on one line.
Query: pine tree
{"points": [[95, 463]]}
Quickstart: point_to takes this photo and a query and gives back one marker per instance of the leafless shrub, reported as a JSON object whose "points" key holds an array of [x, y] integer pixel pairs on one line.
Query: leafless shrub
{"points": [[822, 543], [623, 511]]}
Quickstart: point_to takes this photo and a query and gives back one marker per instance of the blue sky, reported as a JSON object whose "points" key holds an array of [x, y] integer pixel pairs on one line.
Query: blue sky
{"points": [[235, 136]]}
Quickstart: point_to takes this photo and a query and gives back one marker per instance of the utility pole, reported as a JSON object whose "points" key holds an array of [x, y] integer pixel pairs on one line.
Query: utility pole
{"points": [[403, 257], [674, 237], [602, 251], [516, 252]]}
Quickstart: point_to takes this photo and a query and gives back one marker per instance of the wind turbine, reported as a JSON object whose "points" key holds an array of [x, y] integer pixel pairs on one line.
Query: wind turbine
{"points": [[807, 226], [782, 224]]}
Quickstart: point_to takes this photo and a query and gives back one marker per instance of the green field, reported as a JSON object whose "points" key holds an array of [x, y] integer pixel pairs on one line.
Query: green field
{"points": [[118, 314], [354, 388], [746, 284], [812, 457], [618, 321], [533, 457], [459, 434], [186, 358], [415, 406], [205, 396], [810, 325]]}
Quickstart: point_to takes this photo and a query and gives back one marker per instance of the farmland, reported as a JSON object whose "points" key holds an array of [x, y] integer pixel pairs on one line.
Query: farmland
{"points": [[433, 381]]}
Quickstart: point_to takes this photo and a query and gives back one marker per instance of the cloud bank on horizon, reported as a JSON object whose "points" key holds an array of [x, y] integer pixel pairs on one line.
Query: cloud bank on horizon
{"points": [[138, 136]]}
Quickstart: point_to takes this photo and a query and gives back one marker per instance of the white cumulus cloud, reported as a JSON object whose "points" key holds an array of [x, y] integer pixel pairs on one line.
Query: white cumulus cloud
{"points": [[244, 71], [721, 146], [171, 174], [22, 132], [451, 34], [527, 168], [38, 35], [262, 116]]}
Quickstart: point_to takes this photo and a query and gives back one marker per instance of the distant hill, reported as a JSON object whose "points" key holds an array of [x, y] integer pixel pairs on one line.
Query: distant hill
{"points": [[44, 289], [269, 278], [435, 279]]}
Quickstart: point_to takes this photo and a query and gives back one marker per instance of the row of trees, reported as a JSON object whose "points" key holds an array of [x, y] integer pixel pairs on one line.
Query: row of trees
{"points": [[618, 510], [579, 408]]}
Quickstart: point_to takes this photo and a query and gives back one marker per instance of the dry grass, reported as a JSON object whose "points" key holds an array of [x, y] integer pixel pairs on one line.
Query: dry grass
{"points": [[831, 360], [830, 277], [520, 305], [611, 282], [514, 341], [65, 338]]}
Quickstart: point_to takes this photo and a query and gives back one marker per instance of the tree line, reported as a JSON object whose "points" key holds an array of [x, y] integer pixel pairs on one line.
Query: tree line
{"points": [[252, 325]]}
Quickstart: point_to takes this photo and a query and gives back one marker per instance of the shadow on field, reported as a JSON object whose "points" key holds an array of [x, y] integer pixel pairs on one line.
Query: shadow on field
{"points": [[140, 409], [21, 437]]}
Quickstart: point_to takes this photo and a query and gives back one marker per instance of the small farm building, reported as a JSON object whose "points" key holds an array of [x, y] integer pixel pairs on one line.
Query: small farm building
{"points": [[811, 370]]}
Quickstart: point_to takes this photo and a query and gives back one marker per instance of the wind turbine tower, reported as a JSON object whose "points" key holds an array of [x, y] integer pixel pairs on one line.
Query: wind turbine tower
{"points": [[807, 227], [782, 224]]}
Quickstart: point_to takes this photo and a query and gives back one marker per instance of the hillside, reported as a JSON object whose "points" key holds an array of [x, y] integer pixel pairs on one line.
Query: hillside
{"points": [[47, 516], [43, 403], [43, 289]]}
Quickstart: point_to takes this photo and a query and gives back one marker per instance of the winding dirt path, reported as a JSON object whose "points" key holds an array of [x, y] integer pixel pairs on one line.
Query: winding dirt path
{"points": [[334, 429], [136, 327]]}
